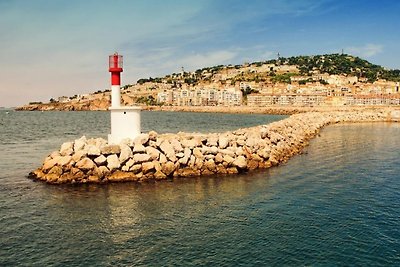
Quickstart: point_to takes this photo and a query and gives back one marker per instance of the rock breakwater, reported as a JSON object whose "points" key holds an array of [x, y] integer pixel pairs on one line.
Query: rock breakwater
{"points": [[153, 156]]}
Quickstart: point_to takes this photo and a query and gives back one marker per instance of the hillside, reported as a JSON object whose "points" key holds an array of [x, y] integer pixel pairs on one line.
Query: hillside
{"points": [[309, 71], [332, 64]]}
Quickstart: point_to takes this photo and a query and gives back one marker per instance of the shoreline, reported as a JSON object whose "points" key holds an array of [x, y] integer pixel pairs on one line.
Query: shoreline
{"points": [[271, 110], [152, 157]]}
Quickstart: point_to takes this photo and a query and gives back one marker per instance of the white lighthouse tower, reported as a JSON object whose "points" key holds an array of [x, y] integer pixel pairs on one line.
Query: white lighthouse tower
{"points": [[125, 121]]}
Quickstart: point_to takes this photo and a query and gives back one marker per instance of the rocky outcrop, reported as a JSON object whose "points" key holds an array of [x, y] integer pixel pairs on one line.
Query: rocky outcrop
{"points": [[158, 157]]}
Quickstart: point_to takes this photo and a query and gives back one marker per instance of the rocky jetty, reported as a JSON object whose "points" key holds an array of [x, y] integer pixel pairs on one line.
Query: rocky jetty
{"points": [[152, 156]]}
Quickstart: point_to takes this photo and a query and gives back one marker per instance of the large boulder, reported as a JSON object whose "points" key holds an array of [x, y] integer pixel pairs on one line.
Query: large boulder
{"points": [[240, 162], [67, 149], [153, 136], [50, 163], [168, 150], [176, 145], [93, 150], [189, 143], [100, 160], [223, 142], [141, 139], [168, 167], [85, 164], [64, 161], [110, 149], [139, 148], [152, 152], [139, 158], [126, 153], [79, 144], [113, 162], [148, 167]]}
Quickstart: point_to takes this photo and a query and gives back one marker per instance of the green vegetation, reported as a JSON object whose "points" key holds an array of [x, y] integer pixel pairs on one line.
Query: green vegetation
{"points": [[333, 64], [148, 100], [282, 78], [247, 91], [341, 64], [154, 80]]}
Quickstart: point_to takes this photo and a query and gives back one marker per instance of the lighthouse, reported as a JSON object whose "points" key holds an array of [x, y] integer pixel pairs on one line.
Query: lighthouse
{"points": [[125, 121]]}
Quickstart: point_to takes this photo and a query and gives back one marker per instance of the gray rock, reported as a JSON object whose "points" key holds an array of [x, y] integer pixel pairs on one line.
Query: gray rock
{"points": [[126, 153], [78, 155], [113, 162], [176, 145], [210, 156], [210, 164], [129, 163], [180, 154], [239, 151], [264, 153], [227, 152], [110, 149], [168, 167], [102, 171], [163, 158], [241, 141], [148, 167], [136, 168], [168, 150], [159, 175], [197, 153], [139, 158], [64, 161], [47, 165], [153, 135], [152, 152], [92, 150], [79, 144], [251, 142], [141, 138], [228, 159], [212, 141], [85, 164], [67, 149], [139, 148], [100, 160], [219, 158], [223, 142], [240, 162], [189, 143]]}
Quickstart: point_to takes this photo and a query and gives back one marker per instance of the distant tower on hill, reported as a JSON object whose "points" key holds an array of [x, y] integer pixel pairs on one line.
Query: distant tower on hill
{"points": [[125, 121], [278, 59]]}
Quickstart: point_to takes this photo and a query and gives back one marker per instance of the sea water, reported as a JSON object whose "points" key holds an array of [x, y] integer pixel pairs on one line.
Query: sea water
{"points": [[338, 203]]}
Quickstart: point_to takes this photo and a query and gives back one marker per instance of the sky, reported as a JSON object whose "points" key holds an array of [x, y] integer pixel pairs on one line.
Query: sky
{"points": [[51, 48]]}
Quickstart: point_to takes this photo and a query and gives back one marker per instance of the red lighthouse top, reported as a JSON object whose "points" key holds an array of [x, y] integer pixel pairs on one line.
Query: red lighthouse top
{"points": [[115, 67], [115, 63]]}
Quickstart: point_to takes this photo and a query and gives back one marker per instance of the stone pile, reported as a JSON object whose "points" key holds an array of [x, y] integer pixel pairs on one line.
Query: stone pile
{"points": [[151, 156]]}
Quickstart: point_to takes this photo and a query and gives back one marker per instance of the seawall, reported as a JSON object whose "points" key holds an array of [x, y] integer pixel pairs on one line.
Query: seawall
{"points": [[153, 156]]}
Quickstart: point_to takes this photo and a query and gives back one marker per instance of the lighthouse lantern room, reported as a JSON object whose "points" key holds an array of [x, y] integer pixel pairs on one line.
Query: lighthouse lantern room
{"points": [[125, 121]]}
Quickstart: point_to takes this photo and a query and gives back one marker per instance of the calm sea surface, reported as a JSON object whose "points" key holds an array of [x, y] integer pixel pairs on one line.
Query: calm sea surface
{"points": [[336, 204]]}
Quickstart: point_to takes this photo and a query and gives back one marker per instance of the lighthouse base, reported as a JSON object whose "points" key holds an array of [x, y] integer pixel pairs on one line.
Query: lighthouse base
{"points": [[125, 123]]}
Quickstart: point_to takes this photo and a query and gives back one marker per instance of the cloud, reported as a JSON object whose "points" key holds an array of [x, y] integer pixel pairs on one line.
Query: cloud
{"points": [[367, 50], [268, 55]]}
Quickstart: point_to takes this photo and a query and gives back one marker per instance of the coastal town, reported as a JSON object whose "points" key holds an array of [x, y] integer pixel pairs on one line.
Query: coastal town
{"points": [[335, 80]]}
